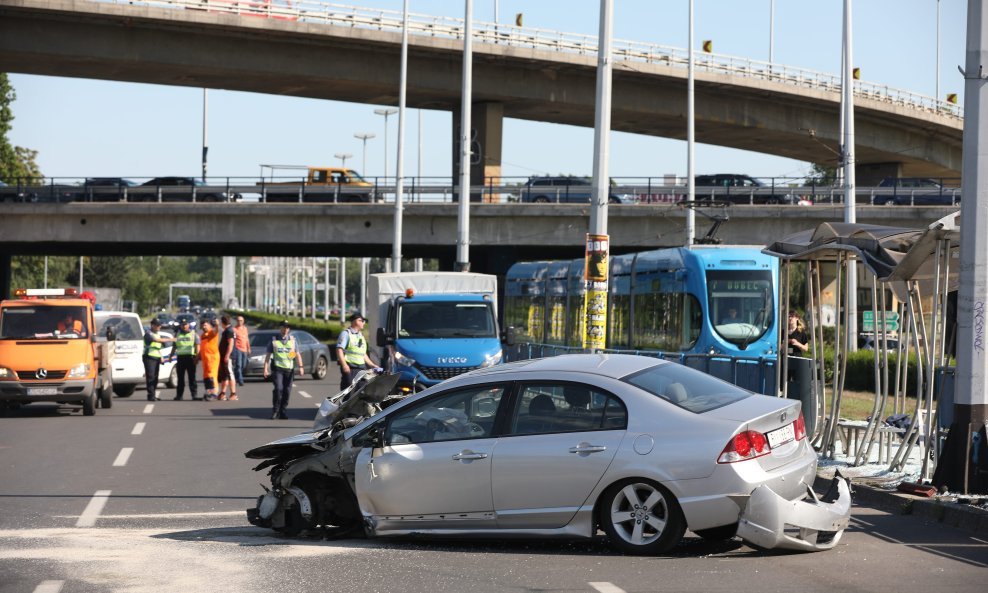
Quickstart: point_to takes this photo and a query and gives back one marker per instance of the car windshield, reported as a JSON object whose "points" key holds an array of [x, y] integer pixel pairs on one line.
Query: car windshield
{"points": [[261, 340], [445, 319], [739, 303], [125, 327], [687, 388], [43, 321]]}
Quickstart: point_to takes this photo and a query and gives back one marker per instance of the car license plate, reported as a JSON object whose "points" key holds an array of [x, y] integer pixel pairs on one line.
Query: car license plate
{"points": [[781, 435], [42, 391]]}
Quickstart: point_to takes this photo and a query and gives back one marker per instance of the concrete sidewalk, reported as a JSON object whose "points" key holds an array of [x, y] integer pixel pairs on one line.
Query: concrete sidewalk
{"points": [[943, 509]]}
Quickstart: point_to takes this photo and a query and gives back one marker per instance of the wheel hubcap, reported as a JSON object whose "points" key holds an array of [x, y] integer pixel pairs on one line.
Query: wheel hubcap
{"points": [[638, 514]]}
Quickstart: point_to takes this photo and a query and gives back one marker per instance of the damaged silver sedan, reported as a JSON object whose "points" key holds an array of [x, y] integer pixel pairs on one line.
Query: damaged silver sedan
{"points": [[639, 448]]}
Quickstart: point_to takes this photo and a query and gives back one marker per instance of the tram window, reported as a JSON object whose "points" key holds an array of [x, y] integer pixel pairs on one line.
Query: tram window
{"points": [[666, 321], [576, 319], [749, 293], [618, 319]]}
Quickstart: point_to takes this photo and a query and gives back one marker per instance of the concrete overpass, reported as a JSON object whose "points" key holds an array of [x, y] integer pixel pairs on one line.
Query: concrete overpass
{"points": [[766, 108]]}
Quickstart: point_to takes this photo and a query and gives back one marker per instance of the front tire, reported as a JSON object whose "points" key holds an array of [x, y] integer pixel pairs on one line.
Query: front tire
{"points": [[641, 517], [321, 368], [89, 405]]}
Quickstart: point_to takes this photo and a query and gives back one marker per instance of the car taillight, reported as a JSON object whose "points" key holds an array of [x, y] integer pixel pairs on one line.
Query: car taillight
{"points": [[745, 445], [799, 426]]}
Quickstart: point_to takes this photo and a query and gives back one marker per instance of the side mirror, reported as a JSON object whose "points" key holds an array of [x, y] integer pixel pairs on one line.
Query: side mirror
{"points": [[382, 338], [509, 336], [110, 334], [373, 438]]}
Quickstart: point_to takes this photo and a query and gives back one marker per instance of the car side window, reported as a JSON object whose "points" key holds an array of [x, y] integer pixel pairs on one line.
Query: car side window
{"points": [[565, 407], [457, 415], [307, 339]]}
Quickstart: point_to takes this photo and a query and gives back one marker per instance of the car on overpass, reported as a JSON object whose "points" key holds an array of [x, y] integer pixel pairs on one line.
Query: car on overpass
{"points": [[179, 189], [915, 191], [739, 189], [106, 189], [566, 190]]}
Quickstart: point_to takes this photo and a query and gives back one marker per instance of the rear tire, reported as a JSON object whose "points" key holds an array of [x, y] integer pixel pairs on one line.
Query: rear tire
{"points": [[641, 517], [124, 390], [321, 368], [106, 395]]}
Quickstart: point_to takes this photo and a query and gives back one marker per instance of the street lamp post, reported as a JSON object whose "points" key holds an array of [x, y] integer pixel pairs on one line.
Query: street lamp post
{"points": [[343, 156], [364, 137], [386, 112], [466, 94]]}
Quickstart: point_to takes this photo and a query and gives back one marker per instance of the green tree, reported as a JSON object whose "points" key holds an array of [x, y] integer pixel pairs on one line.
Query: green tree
{"points": [[16, 163], [821, 175]]}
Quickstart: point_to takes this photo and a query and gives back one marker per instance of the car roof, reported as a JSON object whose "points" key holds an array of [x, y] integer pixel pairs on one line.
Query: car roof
{"points": [[614, 366]]}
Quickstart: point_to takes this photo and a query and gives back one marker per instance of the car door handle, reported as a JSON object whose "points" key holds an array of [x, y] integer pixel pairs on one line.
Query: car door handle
{"points": [[587, 449], [469, 455]]}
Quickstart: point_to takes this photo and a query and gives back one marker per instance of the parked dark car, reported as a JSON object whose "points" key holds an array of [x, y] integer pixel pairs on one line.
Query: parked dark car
{"points": [[569, 190], [106, 189], [315, 354], [915, 191], [179, 189], [739, 189]]}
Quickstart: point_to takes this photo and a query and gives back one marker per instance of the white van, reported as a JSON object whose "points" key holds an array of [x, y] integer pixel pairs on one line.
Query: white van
{"points": [[128, 366]]}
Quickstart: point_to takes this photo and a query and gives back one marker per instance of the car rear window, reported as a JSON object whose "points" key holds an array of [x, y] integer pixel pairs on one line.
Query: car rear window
{"points": [[687, 388], [125, 327]]}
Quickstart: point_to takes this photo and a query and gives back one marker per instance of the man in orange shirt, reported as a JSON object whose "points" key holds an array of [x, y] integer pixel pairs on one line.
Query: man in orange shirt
{"points": [[209, 353], [241, 351]]}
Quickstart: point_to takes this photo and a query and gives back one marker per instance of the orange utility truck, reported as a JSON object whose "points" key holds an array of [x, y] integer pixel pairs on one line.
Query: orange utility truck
{"points": [[49, 353]]}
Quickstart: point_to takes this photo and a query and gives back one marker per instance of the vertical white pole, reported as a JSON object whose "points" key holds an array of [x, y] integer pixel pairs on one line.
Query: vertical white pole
{"points": [[463, 220], [771, 31], [46, 271], [205, 139], [364, 265], [937, 92], [325, 291], [400, 181], [342, 289], [80, 274], [850, 213], [602, 123], [690, 141]]}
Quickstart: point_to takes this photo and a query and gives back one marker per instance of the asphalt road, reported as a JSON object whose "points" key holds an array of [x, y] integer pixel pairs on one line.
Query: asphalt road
{"points": [[150, 498]]}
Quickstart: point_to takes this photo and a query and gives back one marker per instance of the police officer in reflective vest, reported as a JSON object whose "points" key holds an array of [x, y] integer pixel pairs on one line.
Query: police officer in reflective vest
{"points": [[153, 341], [351, 350], [187, 351], [283, 352]]}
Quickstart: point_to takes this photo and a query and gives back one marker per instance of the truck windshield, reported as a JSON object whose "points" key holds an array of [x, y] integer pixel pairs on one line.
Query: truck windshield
{"points": [[43, 321], [445, 319]]}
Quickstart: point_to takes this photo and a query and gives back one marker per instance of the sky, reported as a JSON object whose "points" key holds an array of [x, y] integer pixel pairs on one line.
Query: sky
{"points": [[88, 128]]}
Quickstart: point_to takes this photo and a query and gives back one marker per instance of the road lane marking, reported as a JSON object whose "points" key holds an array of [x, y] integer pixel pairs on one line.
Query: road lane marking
{"points": [[123, 456], [304, 394], [606, 588], [49, 587], [138, 428], [979, 540], [93, 509], [148, 408]]}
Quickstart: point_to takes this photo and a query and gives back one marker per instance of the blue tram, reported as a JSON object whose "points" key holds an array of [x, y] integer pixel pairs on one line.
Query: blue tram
{"points": [[691, 300]]}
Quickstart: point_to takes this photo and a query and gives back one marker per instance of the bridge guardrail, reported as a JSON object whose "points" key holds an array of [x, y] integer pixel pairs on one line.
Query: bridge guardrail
{"points": [[545, 39]]}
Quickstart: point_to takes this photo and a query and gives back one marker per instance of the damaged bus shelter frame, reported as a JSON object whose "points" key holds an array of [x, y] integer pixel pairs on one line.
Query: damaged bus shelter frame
{"points": [[913, 265]]}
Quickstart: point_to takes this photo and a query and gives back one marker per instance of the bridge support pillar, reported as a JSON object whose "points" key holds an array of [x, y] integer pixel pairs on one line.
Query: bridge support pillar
{"points": [[6, 268], [485, 147], [871, 174]]}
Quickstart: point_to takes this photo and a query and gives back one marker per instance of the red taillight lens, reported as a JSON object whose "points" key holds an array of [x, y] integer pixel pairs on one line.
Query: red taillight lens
{"points": [[745, 445], [799, 426]]}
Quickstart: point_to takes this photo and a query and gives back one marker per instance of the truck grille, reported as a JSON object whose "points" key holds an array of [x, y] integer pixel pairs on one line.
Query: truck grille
{"points": [[32, 375], [443, 373]]}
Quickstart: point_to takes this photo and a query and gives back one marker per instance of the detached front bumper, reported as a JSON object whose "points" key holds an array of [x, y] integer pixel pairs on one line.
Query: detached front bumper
{"points": [[812, 524]]}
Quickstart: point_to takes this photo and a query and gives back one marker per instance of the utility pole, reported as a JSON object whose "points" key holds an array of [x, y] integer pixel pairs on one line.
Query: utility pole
{"points": [[466, 103], [400, 173], [971, 394], [364, 137], [690, 139], [850, 213]]}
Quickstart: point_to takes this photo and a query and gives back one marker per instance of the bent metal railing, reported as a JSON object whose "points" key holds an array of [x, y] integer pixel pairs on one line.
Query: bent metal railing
{"points": [[543, 39]]}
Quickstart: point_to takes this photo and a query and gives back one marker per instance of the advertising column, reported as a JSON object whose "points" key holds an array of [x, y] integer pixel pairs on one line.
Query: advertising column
{"points": [[595, 304]]}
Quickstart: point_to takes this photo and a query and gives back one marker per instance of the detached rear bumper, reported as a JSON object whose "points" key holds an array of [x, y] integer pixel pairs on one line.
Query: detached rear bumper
{"points": [[812, 524]]}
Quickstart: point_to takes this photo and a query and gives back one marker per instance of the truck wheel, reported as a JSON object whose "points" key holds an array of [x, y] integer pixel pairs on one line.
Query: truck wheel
{"points": [[124, 390], [89, 405], [106, 395], [321, 369]]}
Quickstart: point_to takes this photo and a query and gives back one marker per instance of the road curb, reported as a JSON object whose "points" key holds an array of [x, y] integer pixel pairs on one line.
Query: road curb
{"points": [[962, 516]]}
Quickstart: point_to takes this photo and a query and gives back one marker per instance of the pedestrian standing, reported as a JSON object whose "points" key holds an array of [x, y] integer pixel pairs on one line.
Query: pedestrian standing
{"points": [[225, 376], [241, 352], [187, 351], [153, 341], [209, 353], [283, 353], [351, 350]]}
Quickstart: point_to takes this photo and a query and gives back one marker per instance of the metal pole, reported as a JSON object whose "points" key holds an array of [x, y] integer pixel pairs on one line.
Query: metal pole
{"points": [[325, 291], [342, 289], [364, 264], [937, 93], [364, 137], [850, 214], [386, 112], [971, 396], [771, 31], [315, 280], [463, 220], [80, 274], [602, 124], [205, 122], [400, 172], [690, 141], [46, 271]]}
